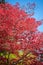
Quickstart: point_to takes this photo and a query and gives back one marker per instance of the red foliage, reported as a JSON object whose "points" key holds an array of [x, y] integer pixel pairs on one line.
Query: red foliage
{"points": [[18, 31]]}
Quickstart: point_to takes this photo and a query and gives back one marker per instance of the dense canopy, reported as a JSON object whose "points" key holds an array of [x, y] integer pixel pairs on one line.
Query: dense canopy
{"points": [[19, 33]]}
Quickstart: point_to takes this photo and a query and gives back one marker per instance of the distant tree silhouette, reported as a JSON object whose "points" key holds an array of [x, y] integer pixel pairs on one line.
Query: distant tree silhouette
{"points": [[2, 1]]}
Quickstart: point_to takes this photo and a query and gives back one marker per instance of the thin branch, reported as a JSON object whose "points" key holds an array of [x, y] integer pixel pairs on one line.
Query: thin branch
{"points": [[15, 63]]}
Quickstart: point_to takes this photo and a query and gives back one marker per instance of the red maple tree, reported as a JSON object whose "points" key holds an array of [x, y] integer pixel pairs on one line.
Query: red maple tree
{"points": [[18, 31]]}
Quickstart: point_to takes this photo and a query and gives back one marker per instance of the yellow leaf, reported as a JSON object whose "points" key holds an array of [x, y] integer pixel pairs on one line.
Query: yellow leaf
{"points": [[20, 52]]}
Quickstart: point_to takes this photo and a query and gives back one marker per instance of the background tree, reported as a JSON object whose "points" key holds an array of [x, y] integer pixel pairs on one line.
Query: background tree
{"points": [[2, 1]]}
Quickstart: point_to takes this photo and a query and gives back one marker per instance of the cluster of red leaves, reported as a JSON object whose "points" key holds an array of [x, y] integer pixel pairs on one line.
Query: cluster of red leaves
{"points": [[18, 31]]}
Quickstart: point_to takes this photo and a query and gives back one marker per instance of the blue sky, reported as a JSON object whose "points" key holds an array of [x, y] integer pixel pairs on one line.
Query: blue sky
{"points": [[38, 10]]}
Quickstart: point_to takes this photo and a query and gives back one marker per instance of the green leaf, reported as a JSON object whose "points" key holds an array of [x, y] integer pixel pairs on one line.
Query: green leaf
{"points": [[12, 56]]}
